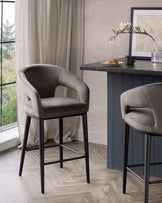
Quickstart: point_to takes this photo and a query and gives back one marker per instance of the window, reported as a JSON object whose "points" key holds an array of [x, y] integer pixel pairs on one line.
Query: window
{"points": [[8, 101]]}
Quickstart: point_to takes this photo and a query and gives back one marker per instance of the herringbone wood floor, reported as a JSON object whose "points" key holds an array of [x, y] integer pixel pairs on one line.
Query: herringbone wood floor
{"points": [[68, 185]]}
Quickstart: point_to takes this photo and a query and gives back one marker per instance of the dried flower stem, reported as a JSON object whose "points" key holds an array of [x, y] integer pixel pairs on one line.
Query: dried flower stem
{"points": [[142, 33], [126, 28]]}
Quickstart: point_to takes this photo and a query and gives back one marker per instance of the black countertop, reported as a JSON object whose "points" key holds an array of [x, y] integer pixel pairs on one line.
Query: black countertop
{"points": [[144, 67]]}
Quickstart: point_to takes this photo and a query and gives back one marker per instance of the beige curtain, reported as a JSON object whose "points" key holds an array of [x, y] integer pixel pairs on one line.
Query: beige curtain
{"points": [[49, 31]]}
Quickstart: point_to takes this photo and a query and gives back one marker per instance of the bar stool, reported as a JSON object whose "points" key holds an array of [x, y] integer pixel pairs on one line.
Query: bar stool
{"points": [[39, 82], [141, 109]]}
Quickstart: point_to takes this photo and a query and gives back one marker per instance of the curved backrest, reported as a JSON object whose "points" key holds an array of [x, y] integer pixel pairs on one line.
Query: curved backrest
{"points": [[147, 96], [44, 78], [40, 81]]}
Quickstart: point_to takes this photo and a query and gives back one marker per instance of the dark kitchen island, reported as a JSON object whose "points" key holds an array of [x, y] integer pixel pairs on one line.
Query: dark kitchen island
{"points": [[120, 79]]}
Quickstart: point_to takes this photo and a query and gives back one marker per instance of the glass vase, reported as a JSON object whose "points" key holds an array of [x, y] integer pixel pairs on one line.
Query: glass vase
{"points": [[156, 56]]}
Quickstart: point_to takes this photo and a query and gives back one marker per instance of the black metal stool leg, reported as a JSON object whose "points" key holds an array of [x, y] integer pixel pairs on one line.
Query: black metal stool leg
{"points": [[126, 144], [85, 132], [27, 125], [61, 140], [41, 143], [147, 165]]}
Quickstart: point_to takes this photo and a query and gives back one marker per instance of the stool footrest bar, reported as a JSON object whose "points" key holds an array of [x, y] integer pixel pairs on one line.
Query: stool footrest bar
{"points": [[53, 162], [138, 165], [70, 159], [56, 145], [155, 181], [72, 150], [141, 178], [136, 174], [33, 157], [35, 148]]}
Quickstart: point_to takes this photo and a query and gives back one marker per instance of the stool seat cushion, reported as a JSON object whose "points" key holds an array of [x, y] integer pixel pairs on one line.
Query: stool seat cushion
{"points": [[141, 119], [57, 106]]}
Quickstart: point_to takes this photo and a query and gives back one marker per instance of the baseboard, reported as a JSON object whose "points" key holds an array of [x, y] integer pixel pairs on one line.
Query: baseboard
{"points": [[9, 144], [96, 137]]}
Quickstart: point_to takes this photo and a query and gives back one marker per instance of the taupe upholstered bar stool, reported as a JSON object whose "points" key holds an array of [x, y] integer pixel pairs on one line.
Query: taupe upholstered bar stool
{"points": [[39, 83], [142, 110]]}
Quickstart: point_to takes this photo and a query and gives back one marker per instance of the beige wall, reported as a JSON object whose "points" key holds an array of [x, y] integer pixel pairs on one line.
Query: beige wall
{"points": [[101, 16]]}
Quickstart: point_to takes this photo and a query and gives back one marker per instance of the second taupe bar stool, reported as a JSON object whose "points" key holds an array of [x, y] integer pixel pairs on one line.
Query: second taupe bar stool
{"points": [[39, 83], [142, 110]]}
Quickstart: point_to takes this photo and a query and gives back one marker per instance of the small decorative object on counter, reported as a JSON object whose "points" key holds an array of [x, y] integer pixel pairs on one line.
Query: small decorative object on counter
{"points": [[129, 60], [156, 56]]}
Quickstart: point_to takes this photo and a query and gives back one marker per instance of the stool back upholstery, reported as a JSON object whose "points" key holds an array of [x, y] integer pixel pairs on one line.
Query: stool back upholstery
{"points": [[40, 81], [146, 97]]}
